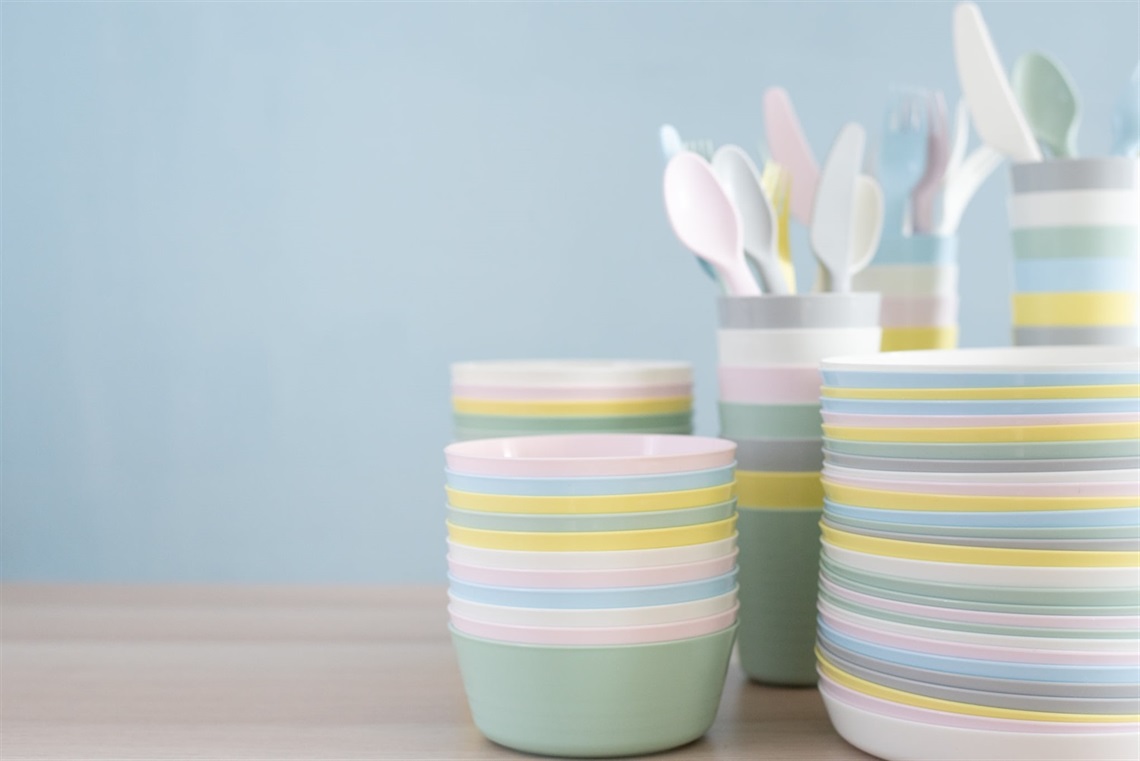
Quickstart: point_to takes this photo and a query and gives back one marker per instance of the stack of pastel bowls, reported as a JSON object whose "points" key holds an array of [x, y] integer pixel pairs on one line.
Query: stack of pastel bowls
{"points": [[917, 276], [593, 593], [526, 398], [769, 349], [980, 576], [1076, 252]]}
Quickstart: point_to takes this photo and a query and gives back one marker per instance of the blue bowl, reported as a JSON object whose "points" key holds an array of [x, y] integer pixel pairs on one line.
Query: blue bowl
{"points": [[590, 487], [864, 379], [575, 599], [1123, 517]]}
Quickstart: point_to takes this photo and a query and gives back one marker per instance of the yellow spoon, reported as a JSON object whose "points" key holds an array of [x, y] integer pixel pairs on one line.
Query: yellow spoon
{"points": [[777, 184]]}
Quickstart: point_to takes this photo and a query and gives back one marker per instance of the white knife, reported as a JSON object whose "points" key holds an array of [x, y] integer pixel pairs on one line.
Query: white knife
{"points": [[833, 216]]}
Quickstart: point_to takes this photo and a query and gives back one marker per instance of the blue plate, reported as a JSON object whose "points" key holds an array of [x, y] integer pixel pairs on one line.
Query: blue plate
{"points": [[1124, 517], [861, 379], [574, 599], [982, 407], [590, 487]]}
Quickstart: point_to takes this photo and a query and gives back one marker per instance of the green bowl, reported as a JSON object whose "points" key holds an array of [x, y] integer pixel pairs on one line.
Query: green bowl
{"points": [[569, 424], [589, 702], [1033, 450], [598, 522], [778, 578], [770, 421]]}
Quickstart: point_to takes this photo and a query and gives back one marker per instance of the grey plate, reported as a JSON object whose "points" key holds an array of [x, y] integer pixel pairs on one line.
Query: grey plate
{"points": [[1118, 335], [1095, 545], [779, 455], [1108, 173], [811, 310], [984, 691], [979, 466]]}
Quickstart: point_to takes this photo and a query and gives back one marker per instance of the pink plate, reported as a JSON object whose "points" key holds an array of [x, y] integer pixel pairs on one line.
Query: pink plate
{"points": [[627, 635], [589, 454], [851, 420], [769, 385], [593, 579], [1106, 623], [835, 619], [1087, 489], [569, 393]]}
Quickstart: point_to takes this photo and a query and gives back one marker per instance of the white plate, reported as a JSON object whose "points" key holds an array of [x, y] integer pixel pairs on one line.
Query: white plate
{"points": [[1053, 477], [571, 372], [1027, 359], [792, 346], [581, 561]]}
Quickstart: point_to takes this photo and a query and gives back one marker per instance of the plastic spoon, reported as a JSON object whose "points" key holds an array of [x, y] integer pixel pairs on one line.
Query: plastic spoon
{"points": [[791, 150], [1126, 118], [705, 220], [833, 216], [867, 232], [959, 186], [671, 145], [777, 184], [1049, 100], [742, 180], [997, 117], [937, 159]]}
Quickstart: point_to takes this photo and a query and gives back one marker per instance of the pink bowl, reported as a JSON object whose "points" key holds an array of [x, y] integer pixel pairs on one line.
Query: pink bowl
{"points": [[852, 697], [589, 454], [769, 385], [1105, 623], [832, 617], [1086, 489], [570, 393], [920, 311], [628, 635], [852, 420], [592, 579]]}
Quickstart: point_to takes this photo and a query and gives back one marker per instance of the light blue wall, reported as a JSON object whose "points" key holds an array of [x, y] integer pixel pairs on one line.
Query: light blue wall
{"points": [[242, 242]]}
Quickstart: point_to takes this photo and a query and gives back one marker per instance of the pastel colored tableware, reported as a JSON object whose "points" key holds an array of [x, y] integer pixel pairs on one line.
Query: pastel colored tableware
{"points": [[996, 114], [705, 220], [591, 522], [593, 578], [1086, 274], [569, 393], [576, 408], [603, 559], [1120, 518], [778, 570], [580, 373], [927, 311], [591, 504], [1087, 359], [466, 433], [595, 635], [779, 455], [928, 251], [789, 147], [961, 184], [1068, 335], [1044, 538], [604, 617], [1070, 208], [805, 310], [527, 425], [980, 467], [594, 701], [777, 182], [779, 421], [1049, 100], [1126, 118], [570, 486], [742, 180], [792, 346], [1053, 476], [1096, 173], [921, 337], [779, 489], [895, 738], [974, 421], [902, 157], [858, 496], [1076, 309], [589, 455], [938, 155], [580, 541], [834, 213], [914, 280], [1021, 687], [1078, 487], [1043, 450], [620, 597], [984, 407], [985, 593], [988, 434], [794, 384], [1100, 391], [973, 574]]}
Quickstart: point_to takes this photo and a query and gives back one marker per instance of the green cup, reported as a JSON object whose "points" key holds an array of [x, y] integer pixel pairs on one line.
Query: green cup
{"points": [[591, 701], [779, 577], [770, 421]]}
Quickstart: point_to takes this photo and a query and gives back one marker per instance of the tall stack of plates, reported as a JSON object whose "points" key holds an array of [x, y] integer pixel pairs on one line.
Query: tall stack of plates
{"points": [[980, 575], [527, 398]]}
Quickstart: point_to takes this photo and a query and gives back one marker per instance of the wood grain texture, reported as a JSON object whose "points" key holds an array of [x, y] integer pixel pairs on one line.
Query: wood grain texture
{"points": [[171, 672]]}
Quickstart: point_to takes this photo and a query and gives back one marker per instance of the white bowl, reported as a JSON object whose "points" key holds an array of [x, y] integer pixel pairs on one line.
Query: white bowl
{"points": [[643, 616]]}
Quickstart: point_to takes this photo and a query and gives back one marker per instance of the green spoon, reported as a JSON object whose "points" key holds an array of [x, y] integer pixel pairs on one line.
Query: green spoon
{"points": [[1049, 100]]}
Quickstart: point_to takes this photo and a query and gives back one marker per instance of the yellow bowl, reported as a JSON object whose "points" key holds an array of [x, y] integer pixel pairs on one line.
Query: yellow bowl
{"points": [[1083, 309], [938, 704], [762, 489], [952, 553], [1108, 391], [995, 434], [609, 503], [664, 406], [858, 496], [583, 541]]}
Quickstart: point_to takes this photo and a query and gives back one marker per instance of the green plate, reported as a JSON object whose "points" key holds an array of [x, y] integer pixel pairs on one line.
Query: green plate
{"points": [[597, 522], [1035, 450]]}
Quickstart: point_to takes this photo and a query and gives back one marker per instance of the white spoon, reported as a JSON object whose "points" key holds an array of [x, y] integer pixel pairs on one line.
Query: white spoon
{"points": [[706, 221], [742, 181], [833, 216], [867, 232]]}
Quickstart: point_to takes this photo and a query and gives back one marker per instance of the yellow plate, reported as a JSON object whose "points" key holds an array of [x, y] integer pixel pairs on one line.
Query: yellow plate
{"points": [[1073, 309], [996, 434], [664, 406], [853, 682], [609, 503], [910, 339], [763, 489], [858, 496], [952, 553], [1120, 391], [589, 541]]}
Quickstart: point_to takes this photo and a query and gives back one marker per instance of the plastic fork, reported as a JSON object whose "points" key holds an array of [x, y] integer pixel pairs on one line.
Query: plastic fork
{"points": [[777, 184], [902, 156]]}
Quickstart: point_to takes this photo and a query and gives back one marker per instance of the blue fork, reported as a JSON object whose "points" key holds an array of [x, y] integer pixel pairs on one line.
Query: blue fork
{"points": [[902, 156]]}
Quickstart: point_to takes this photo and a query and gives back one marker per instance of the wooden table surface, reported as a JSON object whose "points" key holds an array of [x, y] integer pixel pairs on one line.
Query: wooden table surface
{"points": [[164, 672]]}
